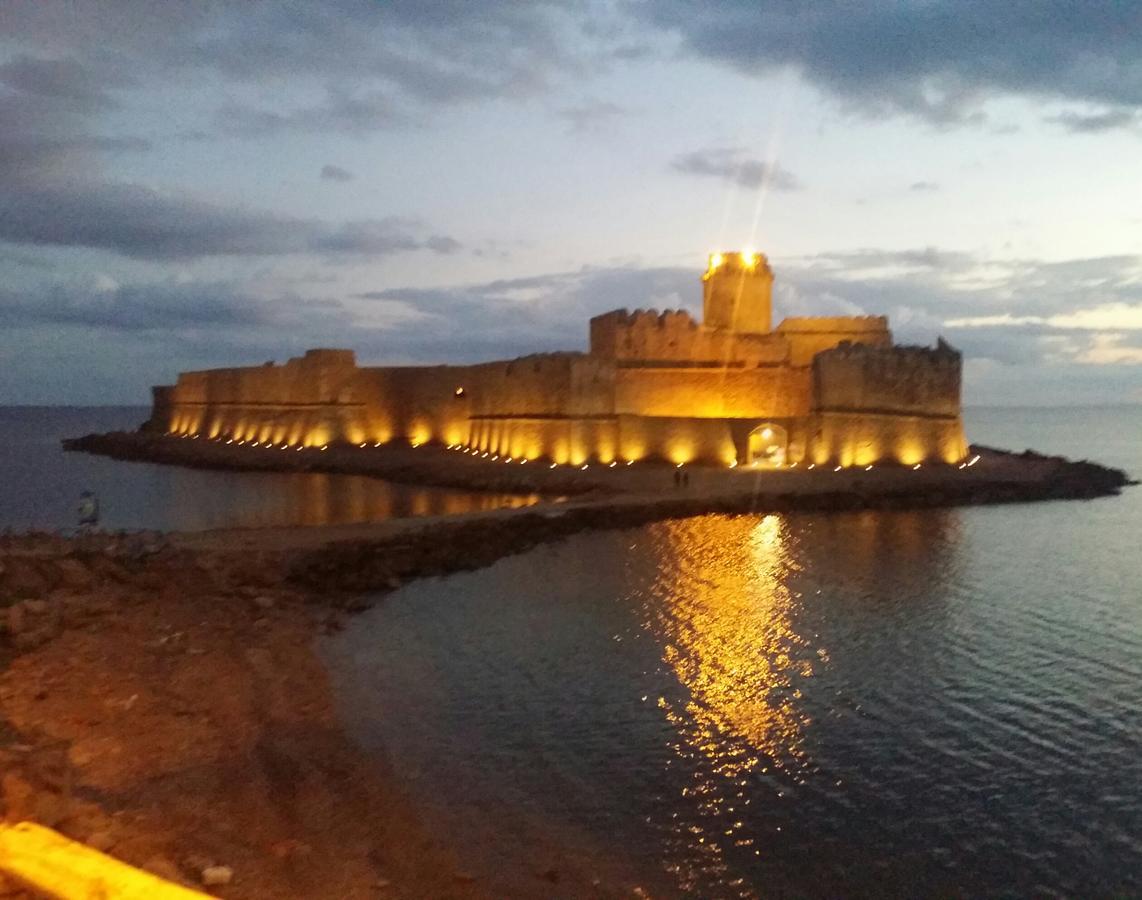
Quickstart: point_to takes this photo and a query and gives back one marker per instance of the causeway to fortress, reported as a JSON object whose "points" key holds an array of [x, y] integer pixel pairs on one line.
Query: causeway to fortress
{"points": [[731, 390]]}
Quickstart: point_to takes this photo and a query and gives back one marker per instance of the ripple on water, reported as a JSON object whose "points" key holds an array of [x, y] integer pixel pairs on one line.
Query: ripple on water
{"points": [[875, 703]]}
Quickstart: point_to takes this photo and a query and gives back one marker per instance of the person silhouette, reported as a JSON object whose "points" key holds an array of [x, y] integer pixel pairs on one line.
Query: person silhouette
{"points": [[88, 510]]}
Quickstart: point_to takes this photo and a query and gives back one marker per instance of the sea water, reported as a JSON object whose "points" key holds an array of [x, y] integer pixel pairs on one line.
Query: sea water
{"points": [[942, 702]]}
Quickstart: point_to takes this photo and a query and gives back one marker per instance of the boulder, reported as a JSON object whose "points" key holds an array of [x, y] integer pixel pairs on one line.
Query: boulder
{"points": [[213, 876], [23, 578], [73, 574]]}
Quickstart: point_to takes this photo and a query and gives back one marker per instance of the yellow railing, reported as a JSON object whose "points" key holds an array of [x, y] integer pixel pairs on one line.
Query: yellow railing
{"points": [[45, 861]]}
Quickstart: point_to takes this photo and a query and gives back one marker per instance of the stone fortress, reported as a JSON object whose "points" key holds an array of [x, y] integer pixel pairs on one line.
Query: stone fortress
{"points": [[731, 390]]}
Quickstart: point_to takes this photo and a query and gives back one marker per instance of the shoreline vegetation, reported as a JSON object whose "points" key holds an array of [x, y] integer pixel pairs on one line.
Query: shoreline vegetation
{"points": [[161, 698]]}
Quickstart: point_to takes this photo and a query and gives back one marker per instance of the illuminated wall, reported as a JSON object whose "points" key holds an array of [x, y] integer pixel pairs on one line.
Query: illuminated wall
{"points": [[910, 380], [775, 391], [310, 400], [564, 440], [556, 405], [419, 404], [811, 335], [647, 337], [859, 439], [897, 403]]}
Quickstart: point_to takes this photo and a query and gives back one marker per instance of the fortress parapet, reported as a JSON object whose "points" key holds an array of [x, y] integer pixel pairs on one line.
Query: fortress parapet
{"points": [[648, 338], [808, 336]]}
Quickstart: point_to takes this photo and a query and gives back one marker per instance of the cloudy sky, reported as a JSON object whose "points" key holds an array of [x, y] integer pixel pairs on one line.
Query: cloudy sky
{"points": [[192, 184]]}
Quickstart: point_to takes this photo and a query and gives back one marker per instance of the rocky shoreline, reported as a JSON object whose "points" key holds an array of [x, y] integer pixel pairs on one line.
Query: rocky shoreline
{"points": [[161, 700], [166, 706]]}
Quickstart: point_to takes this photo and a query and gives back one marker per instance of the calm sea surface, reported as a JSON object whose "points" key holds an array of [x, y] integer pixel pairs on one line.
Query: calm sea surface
{"points": [[40, 484], [934, 703]]}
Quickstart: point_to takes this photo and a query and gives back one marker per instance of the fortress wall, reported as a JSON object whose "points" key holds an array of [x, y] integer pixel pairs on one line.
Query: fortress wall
{"points": [[677, 439], [809, 336], [860, 439], [899, 403], [307, 400], [912, 380], [414, 403], [558, 406], [563, 440], [552, 384], [438, 403], [674, 336], [324, 397], [777, 392]]}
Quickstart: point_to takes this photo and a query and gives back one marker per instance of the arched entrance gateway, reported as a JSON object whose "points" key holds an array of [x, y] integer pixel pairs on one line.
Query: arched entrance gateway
{"points": [[767, 445]]}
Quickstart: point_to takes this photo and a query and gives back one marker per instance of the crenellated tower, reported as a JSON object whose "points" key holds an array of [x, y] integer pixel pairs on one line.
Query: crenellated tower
{"points": [[737, 293]]}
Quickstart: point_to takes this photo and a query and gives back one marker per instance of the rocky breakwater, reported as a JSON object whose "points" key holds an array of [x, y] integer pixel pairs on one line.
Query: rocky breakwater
{"points": [[347, 568]]}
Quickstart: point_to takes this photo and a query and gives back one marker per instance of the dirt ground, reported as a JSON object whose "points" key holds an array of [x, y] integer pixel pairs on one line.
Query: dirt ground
{"points": [[173, 714]]}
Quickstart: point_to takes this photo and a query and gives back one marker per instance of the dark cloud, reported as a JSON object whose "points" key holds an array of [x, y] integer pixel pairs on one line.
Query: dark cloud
{"points": [[923, 186], [48, 109], [374, 64], [937, 59], [735, 165], [380, 237], [31, 158], [145, 224], [593, 115], [1096, 123], [133, 308], [52, 192], [512, 317], [347, 112], [62, 80], [380, 64], [331, 172], [174, 309]]}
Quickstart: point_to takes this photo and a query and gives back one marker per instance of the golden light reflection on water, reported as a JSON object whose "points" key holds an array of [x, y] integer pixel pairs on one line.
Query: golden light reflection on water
{"points": [[197, 500], [726, 633]]}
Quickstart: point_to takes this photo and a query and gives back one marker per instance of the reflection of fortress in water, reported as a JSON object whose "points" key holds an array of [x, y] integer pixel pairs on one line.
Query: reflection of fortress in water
{"points": [[731, 389]]}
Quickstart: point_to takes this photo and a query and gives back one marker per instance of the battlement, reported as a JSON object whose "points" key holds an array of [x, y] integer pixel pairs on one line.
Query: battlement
{"points": [[899, 355], [643, 334], [646, 318], [673, 338]]}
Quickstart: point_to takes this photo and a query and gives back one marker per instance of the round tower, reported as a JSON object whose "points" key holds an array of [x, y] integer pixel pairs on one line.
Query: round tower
{"points": [[737, 293]]}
